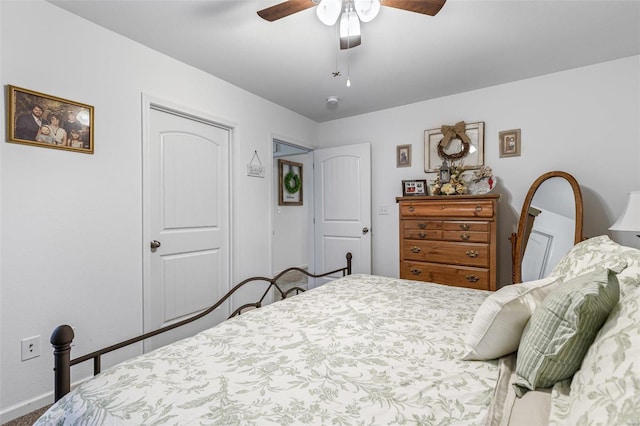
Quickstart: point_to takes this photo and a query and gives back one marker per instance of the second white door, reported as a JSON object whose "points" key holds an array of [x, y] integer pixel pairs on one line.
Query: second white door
{"points": [[342, 192]]}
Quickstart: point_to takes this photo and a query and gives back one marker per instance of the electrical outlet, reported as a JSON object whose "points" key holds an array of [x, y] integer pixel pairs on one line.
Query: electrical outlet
{"points": [[382, 210], [30, 347]]}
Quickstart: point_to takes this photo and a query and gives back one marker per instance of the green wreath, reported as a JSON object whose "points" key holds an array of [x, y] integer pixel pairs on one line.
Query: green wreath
{"points": [[292, 182]]}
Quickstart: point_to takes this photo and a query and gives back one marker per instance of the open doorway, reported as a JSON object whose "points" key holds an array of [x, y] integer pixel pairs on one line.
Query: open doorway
{"points": [[292, 224]]}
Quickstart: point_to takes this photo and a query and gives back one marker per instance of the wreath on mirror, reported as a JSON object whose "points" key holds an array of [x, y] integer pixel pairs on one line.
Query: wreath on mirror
{"points": [[454, 132], [292, 182], [464, 150]]}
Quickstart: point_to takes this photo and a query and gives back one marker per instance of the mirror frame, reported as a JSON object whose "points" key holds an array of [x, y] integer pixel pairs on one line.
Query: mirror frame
{"points": [[525, 223]]}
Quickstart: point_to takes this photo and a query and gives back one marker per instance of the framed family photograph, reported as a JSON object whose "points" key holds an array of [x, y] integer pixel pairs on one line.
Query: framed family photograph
{"points": [[289, 183], [403, 156], [509, 143], [414, 187], [48, 121], [473, 158]]}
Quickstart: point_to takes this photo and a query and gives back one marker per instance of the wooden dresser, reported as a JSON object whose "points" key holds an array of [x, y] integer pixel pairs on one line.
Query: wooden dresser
{"points": [[449, 239]]}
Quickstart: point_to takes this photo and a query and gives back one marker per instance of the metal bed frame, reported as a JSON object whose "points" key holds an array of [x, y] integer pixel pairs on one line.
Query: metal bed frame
{"points": [[62, 336]]}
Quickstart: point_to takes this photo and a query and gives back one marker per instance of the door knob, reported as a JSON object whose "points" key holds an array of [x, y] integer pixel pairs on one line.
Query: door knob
{"points": [[365, 230], [155, 244]]}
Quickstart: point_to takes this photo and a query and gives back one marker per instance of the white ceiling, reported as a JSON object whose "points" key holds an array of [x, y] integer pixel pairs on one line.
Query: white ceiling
{"points": [[405, 57]]}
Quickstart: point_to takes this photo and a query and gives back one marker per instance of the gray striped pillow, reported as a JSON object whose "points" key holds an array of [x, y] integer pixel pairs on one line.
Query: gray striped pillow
{"points": [[561, 330]]}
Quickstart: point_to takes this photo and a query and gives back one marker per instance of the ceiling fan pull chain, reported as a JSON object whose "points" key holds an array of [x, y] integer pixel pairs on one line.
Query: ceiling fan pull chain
{"points": [[348, 70]]}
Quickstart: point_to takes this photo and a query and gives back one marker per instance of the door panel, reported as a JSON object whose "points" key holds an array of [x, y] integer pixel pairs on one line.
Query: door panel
{"points": [[187, 211], [342, 179]]}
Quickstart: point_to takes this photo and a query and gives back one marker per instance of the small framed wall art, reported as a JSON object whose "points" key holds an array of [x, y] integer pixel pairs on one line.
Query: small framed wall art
{"points": [[437, 148], [403, 156], [48, 121], [414, 187], [510, 143], [290, 183]]}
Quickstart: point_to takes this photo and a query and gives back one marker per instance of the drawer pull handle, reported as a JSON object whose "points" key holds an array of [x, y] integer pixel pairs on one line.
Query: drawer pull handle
{"points": [[478, 209], [464, 226], [422, 234], [412, 209], [473, 253], [415, 249], [442, 207], [472, 278], [422, 225], [416, 271], [465, 237]]}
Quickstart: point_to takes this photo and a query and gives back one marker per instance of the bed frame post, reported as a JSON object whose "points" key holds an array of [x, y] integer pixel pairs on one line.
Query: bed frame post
{"points": [[349, 256], [61, 339]]}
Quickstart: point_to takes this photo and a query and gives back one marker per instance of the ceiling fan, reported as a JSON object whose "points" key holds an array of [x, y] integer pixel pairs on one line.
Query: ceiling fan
{"points": [[286, 8]]}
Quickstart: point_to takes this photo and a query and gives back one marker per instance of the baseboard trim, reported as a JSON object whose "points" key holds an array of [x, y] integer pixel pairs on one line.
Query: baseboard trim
{"points": [[25, 407]]}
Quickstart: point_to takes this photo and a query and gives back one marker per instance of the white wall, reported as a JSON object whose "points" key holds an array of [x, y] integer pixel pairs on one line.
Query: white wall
{"points": [[71, 223], [584, 121]]}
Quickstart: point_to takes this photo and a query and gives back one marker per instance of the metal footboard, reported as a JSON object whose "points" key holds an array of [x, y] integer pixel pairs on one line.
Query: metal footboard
{"points": [[62, 336]]}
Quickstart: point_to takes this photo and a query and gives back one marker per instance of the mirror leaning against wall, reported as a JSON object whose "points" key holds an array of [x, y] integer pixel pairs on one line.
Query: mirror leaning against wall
{"points": [[550, 225]]}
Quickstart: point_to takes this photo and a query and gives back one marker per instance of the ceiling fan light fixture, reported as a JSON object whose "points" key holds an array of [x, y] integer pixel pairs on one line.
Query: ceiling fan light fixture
{"points": [[328, 11], [349, 30], [367, 9]]}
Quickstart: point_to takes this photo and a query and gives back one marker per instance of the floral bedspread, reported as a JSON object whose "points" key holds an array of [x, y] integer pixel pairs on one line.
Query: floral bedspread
{"points": [[360, 350]]}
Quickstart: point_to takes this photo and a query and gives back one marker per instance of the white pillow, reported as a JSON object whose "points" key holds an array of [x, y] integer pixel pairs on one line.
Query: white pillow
{"points": [[499, 322]]}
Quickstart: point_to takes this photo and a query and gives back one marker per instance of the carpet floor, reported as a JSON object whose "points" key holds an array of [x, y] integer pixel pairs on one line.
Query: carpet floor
{"points": [[28, 419]]}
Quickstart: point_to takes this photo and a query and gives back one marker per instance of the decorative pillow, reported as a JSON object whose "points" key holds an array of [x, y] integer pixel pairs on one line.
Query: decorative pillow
{"points": [[587, 256], [606, 389], [561, 330], [597, 253], [498, 324]]}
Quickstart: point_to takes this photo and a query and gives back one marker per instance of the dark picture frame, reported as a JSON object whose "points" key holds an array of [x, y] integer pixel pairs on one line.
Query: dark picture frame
{"points": [[47, 121], [289, 183], [509, 143], [414, 187]]}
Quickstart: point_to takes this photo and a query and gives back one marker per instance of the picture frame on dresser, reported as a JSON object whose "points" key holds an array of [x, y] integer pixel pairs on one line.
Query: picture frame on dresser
{"points": [[474, 158], [414, 187]]}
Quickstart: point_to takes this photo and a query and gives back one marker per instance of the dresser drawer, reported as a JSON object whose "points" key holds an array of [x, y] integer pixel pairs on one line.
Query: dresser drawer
{"points": [[444, 208], [419, 234], [468, 254], [451, 225], [477, 278], [466, 236], [422, 224]]}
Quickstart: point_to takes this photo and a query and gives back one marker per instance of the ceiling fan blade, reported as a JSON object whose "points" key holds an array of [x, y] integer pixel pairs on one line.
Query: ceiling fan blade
{"points": [[285, 8], [426, 7]]}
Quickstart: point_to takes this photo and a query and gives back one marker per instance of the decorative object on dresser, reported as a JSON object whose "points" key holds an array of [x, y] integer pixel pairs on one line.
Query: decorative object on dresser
{"points": [[509, 143], [289, 183], [449, 240], [403, 156], [414, 187], [449, 181], [483, 181], [462, 142]]}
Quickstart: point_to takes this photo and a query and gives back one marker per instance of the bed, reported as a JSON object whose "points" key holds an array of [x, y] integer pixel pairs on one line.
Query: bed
{"points": [[374, 350]]}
